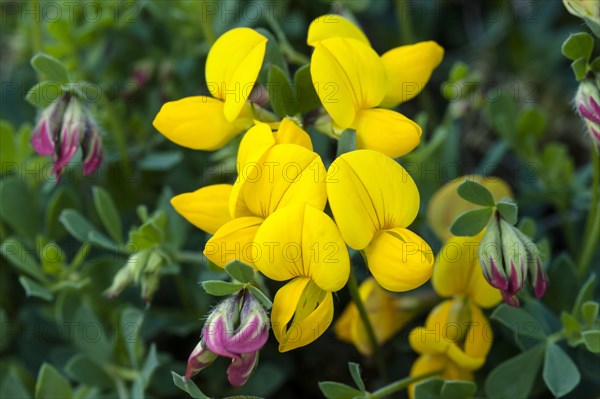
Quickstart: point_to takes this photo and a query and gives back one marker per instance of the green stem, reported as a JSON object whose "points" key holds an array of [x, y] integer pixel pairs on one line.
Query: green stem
{"points": [[207, 23], [362, 311], [36, 34], [286, 48], [401, 384], [188, 257], [592, 229]]}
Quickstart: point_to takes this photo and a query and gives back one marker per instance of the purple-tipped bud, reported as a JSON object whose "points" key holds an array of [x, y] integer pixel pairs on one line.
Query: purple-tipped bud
{"points": [[72, 130], [510, 299], [587, 102], [45, 133], [514, 253], [490, 256], [537, 274], [239, 370], [200, 358], [91, 147], [231, 332], [121, 280]]}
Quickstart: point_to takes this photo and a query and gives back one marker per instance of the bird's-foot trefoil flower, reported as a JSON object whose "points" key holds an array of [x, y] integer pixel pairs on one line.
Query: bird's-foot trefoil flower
{"points": [[302, 244], [237, 328], [63, 127], [507, 257], [587, 102], [208, 123], [387, 313], [374, 200], [276, 169], [408, 68]]}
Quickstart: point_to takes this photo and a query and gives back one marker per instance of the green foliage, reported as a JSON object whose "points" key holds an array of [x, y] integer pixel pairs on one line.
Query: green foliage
{"points": [[471, 222], [440, 389], [476, 193]]}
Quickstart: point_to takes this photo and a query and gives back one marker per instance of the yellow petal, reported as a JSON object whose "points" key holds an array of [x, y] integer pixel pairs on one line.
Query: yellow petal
{"points": [[206, 208], [333, 25], [232, 66], [196, 122], [457, 271], [348, 77], [385, 318], [287, 174], [446, 204], [313, 248], [311, 309], [388, 132], [429, 363], [399, 259], [368, 192], [257, 140], [480, 336], [344, 323], [233, 241], [290, 133], [408, 69]]}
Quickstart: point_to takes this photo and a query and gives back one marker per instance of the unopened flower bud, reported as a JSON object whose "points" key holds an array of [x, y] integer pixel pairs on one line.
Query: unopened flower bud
{"points": [[200, 358], [515, 258], [537, 274], [72, 130], [588, 10], [587, 102], [45, 133], [490, 256], [230, 331], [91, 146], [122, 279], [240, 370]]}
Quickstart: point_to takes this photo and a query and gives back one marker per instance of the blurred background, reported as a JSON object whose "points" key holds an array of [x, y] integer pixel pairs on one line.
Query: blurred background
{"points": [[499, 104]]}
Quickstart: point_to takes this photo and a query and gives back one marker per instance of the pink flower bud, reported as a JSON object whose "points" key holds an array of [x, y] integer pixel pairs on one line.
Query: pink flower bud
{"points": [[199, 359], [239, 371], [45, 133]]}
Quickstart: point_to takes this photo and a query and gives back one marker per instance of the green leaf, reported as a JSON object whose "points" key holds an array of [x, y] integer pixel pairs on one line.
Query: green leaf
{"points": [[62, 198], [53, 259], [80, 228], [50, 68], [429, 389], [562, 293], [43, 94], [579, 67], [591, 339], [475, 193], [514, 377], [337, 390], [108, 212], [281, 94], [240, 271], [273, 55], [51, 384], [519, 321], [585, 294], [595, 65], [19, 257], [528, 227], [532, 122], [471, 222], [306, 95], [560, 373], [578, 45], [355, 373], [589, 311], [34, 289], [150, 364], [508, 210], [130, 327], [261, 297], [346, 142], [188, 386], [570, 323], [458, 389], [84, 370], [221, 288]]}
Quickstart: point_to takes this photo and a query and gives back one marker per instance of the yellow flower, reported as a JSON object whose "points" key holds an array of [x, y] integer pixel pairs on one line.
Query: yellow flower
{"points": [[387, 313], [457, 336], [302, 244], [408, 68], [446, 205], [456, 339], [208, 123], [374, 200], [273, 173]]}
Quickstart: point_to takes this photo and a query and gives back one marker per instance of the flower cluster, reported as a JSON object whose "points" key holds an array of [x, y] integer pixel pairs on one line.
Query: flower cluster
{"points": [[273, 217], [63, 127]]}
